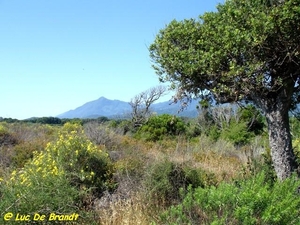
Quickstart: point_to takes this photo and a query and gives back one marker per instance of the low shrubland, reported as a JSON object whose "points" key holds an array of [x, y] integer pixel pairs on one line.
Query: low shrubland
{"points": [[169, 171], [250, 201]]}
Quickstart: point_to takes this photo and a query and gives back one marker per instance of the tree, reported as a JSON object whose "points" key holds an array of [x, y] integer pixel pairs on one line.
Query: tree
{"points": [[140, 104], [246, 50]]}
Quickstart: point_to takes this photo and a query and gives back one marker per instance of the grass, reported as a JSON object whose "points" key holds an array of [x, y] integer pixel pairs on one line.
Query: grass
{"points": [[125, 211]]}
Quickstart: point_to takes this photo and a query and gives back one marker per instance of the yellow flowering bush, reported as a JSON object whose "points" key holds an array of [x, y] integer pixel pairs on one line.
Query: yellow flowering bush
{"points": [[85, 164], [56, 177]]}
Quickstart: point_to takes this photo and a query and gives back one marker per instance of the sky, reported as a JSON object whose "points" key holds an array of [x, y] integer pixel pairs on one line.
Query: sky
{"points": [[57, 55]]}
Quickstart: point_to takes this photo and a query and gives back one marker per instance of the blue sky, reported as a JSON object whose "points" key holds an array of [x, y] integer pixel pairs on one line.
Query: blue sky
{"points": [[57, 55]]}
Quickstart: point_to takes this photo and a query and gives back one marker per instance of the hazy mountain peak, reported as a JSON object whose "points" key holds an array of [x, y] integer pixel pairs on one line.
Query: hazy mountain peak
{"points": [[116, 108]]}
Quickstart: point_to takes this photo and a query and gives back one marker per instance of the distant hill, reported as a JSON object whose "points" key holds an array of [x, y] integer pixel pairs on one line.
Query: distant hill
{"points": [[117, 108]]}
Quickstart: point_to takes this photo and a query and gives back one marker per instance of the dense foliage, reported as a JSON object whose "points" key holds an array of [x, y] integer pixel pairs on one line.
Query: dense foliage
{"points": [[158, 127], [252, 201]]}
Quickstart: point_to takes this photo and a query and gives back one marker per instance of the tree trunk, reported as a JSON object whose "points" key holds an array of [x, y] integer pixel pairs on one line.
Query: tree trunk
{"points": [[275, 106], [281, 143]]}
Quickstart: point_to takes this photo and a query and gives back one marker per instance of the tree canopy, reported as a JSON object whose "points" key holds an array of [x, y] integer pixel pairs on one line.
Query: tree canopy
{"points": [[246, 50]]}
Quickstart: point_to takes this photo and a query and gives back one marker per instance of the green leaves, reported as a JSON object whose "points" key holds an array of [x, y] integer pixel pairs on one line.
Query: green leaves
{"points": [[243, 39], [157, 127], [252, 201]]}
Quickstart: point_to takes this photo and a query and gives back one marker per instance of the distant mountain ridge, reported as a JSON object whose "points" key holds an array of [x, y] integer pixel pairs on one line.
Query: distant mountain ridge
{"points": [[116, 108]]}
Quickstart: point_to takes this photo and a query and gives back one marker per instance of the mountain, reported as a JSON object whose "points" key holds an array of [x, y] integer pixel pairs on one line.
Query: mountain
{"points": [[97, 108], [171, 108], [117, 108]]}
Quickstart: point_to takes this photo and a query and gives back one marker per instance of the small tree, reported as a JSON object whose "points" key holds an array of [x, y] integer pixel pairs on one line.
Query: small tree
{"points": [[141, 103], [246, 50]]}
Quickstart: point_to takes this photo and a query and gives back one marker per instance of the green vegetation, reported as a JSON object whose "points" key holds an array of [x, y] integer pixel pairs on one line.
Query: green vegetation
{"points": [[251, 201], [245, 51], [162, 173], [158, 127], [66, 175]]}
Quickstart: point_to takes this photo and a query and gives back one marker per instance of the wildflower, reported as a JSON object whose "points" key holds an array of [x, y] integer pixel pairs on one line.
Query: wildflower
{"points": [[24, 180]]}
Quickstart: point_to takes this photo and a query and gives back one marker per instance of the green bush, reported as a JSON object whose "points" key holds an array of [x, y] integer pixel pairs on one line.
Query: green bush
{"points": [[157, 127], [163, 182], [198, 177], [166, 181], [251, 201], [214, 132], [240, 126], [61, 179], [237, 133]]}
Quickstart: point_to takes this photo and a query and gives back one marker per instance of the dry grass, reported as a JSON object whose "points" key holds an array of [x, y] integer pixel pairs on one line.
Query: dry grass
{"points": [[125, 211], [220, 158]]}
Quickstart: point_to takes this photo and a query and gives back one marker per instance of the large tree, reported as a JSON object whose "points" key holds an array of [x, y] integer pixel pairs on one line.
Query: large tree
{"points": [[246, 50]]}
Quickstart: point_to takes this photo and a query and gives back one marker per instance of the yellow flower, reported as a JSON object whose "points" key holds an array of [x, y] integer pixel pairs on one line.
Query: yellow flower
{"points": [[14, 173], [23, 180]]}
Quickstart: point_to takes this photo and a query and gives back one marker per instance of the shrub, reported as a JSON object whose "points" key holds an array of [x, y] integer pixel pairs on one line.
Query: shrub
{"points": [[238, 126], [6, 138], [163, 182], [214, 132], [237, 133], [157, 127], [24, 151], [59, 179], [166, 180], [7, 142], [247, 202], [102, 134], [3, 128], [197, 177]]}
